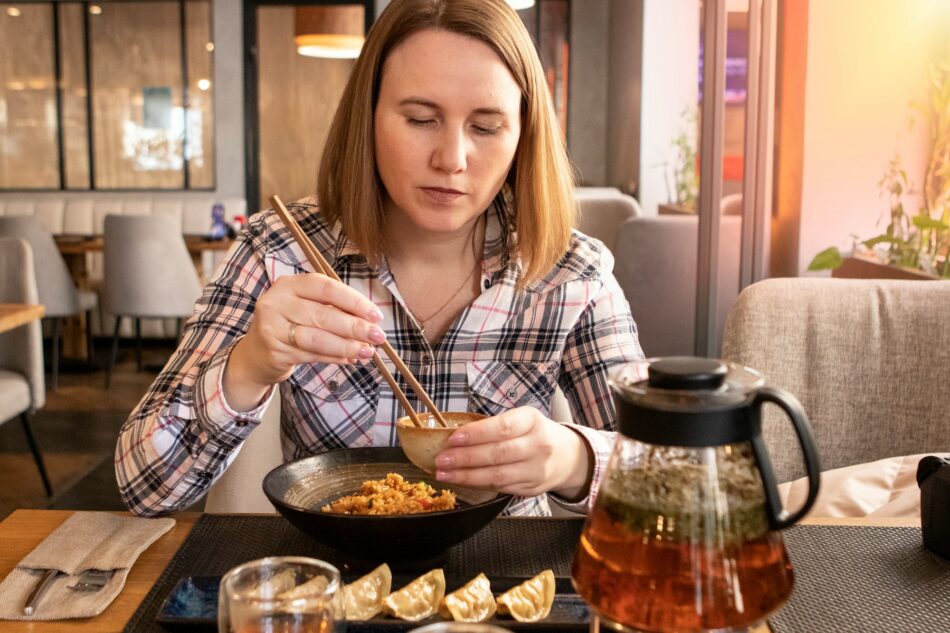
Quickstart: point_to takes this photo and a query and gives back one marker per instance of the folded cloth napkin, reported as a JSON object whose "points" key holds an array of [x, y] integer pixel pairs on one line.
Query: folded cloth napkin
{"points": [[885, 488], [87, 540]]}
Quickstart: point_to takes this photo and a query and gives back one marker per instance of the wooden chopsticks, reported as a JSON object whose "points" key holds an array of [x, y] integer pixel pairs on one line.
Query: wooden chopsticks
{"points": [[320, 264]]}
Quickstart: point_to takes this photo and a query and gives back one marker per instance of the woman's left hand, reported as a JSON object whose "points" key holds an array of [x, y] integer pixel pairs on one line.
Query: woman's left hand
{"points": [[518, 452]]}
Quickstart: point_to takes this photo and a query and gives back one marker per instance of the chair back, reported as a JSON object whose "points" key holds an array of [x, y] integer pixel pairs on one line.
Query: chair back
{"points": [[55, 285], [21, 349], [867, 358], [656, 268], [148, 271], [239, 489], [601, 211]]}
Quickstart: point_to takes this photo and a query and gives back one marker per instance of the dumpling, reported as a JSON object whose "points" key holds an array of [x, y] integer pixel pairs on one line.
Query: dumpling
{"points": [[364, 597], [531, 600], [313, 587], [419, 599], [472, 603]]}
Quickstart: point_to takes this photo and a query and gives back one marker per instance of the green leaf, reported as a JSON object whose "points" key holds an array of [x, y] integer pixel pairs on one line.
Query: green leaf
{"points": [[927, 222], [882, 239], [828, 259]]}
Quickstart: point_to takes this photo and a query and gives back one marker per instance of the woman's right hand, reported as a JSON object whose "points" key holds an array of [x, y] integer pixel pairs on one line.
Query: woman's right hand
{"points": [[334, 324]]}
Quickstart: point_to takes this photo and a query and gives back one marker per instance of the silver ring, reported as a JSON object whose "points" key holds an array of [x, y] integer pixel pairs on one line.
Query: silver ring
{"points": [[291, 334]]}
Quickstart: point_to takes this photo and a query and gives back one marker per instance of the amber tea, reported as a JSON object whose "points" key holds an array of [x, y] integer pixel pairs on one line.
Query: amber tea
{"points": [[668, 568]]}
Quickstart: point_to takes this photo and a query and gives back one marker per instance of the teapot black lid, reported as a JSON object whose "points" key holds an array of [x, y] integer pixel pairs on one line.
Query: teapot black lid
{"points": [[686, 401]]}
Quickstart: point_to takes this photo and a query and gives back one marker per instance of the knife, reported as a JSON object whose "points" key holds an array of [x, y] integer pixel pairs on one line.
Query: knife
{"points": [[45, 581]]}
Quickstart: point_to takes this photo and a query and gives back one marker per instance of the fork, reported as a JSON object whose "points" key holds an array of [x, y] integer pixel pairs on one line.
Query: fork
{"points": [[92, 579]]}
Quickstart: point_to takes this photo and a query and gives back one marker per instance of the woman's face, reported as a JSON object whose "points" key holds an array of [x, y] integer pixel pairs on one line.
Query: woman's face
{"points": [[447, 124]]}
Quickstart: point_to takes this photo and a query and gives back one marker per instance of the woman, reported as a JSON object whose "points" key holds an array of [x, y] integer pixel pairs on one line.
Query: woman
{"points": [[456, 248]]}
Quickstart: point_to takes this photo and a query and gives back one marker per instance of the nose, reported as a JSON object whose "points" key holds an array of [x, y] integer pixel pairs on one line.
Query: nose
{"points": [[451, 150]]}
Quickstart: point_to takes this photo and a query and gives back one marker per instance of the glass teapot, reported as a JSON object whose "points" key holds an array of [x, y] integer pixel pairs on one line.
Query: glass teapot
{"points": [[684, 534]]}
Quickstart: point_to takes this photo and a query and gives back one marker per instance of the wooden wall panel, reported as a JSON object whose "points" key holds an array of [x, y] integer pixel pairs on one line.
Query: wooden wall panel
{"points": [[298, 97]]}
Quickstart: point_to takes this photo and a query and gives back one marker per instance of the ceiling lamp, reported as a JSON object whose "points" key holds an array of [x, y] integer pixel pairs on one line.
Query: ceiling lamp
{"points": [[334, 31], [519, 5]]}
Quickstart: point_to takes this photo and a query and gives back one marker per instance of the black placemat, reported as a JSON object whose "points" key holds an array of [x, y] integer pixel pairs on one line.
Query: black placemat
{"points": [[509, 546], [864, 579]]}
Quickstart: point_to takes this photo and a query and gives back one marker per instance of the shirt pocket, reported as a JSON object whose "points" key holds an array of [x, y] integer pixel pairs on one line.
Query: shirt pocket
{"points": [[338, 405], [496, 386]]}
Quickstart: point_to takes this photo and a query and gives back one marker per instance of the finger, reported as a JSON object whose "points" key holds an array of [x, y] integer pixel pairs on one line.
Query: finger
{"points": [[507, 425], [491, 454], [343, 324], [318, 341], [501, 478], [322, 289]]}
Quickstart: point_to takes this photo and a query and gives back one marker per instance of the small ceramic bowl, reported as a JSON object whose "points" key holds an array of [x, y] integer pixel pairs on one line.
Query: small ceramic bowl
{"points": [[421, 445]]}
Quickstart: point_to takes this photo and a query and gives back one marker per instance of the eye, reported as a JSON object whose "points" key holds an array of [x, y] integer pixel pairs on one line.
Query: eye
{"points": [[420, 122], [481, 130]]}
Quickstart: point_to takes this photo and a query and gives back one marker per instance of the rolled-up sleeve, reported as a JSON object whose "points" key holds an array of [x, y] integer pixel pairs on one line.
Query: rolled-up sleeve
{"points": [[604, 337]]}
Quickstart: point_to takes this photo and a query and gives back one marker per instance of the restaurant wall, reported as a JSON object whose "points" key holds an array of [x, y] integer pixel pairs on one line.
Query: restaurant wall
{"points": [[866, 60]]}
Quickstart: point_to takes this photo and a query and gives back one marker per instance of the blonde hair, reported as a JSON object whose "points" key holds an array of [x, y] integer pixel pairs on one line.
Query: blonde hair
{"points": [[540, 206]]}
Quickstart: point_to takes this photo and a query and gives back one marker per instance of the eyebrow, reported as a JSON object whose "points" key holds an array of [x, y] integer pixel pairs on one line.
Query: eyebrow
{"points": [[435, 106]]}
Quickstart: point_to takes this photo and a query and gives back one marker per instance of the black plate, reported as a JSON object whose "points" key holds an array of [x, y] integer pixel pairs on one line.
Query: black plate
{"points": [[193, 602], [300, 488]]}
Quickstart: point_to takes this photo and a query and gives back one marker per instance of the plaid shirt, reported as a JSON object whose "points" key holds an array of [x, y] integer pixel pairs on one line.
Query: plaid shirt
{"points": [[507, 349]]}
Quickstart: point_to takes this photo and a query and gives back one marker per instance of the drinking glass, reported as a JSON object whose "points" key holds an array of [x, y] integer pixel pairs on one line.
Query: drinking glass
{"points": [[281, 594]]}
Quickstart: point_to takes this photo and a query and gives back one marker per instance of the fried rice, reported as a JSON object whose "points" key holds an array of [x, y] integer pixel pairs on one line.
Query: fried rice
{"points": [[393, 495]]}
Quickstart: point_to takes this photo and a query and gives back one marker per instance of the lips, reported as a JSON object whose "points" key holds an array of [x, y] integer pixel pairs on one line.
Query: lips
{"points": [[442, 194]]}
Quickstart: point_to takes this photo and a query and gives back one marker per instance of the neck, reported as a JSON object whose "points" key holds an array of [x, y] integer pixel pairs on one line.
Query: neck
{"points": [[406, 244]]}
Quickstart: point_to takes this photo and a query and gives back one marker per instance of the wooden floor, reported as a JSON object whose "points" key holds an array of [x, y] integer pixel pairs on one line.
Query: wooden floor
{"points": [[83, 417]]}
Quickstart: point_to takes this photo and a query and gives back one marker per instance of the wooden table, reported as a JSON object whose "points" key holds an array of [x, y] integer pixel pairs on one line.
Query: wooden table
{"points": [[13, 315], [25, 529]]}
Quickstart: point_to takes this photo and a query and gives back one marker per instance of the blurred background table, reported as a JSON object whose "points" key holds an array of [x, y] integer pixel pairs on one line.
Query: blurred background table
{"points": [[75, 250], [14, 315]]}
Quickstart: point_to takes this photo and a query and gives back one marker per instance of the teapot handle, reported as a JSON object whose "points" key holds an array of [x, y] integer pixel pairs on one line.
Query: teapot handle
{"points": [[779, 517]]}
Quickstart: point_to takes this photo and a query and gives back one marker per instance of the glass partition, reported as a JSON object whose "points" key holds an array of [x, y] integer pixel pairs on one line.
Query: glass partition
{"points": [[29, 152], [135, 105]]}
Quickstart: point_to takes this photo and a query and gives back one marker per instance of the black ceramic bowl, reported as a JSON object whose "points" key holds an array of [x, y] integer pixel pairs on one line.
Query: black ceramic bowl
{"points": [[300, 488]]}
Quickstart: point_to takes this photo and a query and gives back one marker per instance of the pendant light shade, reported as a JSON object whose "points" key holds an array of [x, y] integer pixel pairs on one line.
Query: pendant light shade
{"points": [[334, 31], [518, 5]]}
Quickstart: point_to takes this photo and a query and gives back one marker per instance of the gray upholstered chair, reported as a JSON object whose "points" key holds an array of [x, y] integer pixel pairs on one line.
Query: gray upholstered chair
{"points": [[601, 211], [22, 390], [867, 358], [656, 267], [58, 292], [148, 273]]}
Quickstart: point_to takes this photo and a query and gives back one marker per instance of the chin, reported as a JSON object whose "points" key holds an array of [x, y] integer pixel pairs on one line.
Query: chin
{"points": [[442, 219]]}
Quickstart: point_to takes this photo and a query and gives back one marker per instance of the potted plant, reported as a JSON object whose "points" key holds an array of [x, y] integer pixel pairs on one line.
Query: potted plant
{"points": [[683, 191], [912, 245]]}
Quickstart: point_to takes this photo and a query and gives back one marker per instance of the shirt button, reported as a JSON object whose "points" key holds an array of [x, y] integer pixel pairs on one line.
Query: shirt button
{"points": [[204, 474], [487, 284], [240, 423], [426, 359], [512, 394], [333, 386]]}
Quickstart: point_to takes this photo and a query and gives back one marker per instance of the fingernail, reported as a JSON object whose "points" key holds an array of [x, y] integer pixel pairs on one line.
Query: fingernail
{"points": [[443, 475], [367, 352], [458, 439], [375, 315], [445, 461], [377, 336]]}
